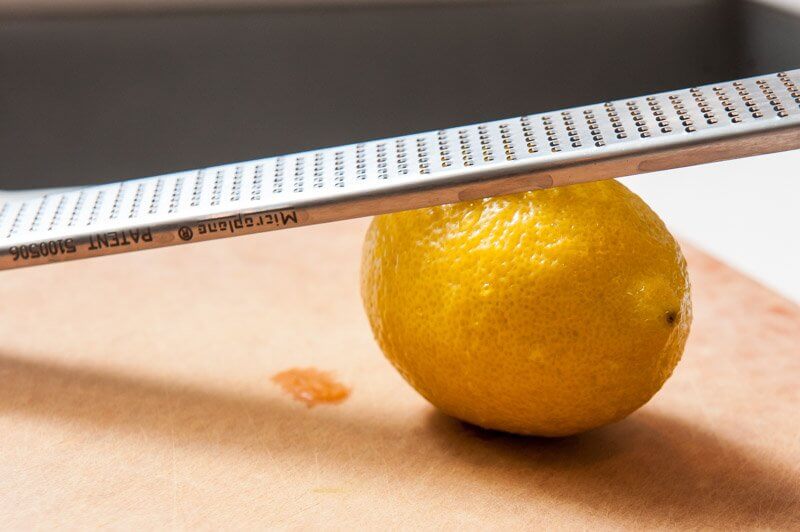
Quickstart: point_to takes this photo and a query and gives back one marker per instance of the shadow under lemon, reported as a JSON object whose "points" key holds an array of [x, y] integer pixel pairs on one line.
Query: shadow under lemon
{"points": [[650, 469], [653, 468]]}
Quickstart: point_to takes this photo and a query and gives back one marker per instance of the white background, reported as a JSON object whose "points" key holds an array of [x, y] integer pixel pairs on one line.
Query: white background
{"points": [[745, 212]]}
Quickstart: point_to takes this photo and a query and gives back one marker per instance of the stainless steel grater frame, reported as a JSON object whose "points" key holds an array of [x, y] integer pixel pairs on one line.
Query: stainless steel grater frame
{"points": [[686, 127]]}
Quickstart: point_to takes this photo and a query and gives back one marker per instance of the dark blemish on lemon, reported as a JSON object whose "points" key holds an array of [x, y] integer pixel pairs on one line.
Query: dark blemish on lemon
{"points": [[671, 316], [311, 386]]}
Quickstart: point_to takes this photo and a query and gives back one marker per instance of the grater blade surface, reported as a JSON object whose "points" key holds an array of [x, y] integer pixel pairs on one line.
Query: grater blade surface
{"points": [[667, 130]]}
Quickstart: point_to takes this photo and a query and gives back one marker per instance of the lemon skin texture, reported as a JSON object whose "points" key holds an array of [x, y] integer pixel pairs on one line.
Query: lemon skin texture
{"points": [[545, 313]]}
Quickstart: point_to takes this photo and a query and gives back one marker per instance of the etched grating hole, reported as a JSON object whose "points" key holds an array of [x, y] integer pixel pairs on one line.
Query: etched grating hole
{"points": [[197, 189], [638, 118], [508, 142], [56, 215], [790, 86], [724, 100], [98, 202], [156, 196], [77, 209], [705, 108], [635, 113], [465, 147], [487, 150], [616, 122], [402, 156], [319, 170], [594, 128], [527, 132], [3, 211], [572, 130], [15, 224], [361, 162], [552, 136], [773, 100], [176, 195], [299, 173], [277, 178], [749, 102], [37, 218], [216, 192], [686, 118], [422, 156], [727, 104], [445, 157], [117, 201], [236, 187], [137, 201], [338, 169], [258, 181], [662, 121], [730, 107], [380, 161]]}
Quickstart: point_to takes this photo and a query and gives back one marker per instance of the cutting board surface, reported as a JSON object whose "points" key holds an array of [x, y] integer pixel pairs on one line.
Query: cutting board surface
{"points": [[135, 391]]}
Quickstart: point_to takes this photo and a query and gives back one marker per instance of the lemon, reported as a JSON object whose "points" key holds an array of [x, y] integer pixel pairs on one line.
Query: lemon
{"points": [[546, 313]]}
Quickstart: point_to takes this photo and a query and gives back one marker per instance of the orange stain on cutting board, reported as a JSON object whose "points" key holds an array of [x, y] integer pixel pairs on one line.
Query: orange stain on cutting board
{"points": [[311, 386]]}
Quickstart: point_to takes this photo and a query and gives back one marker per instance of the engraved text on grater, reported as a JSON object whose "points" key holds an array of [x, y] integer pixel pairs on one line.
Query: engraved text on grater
{"points": [[241, 223], [43, 249], [113, 239]]}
